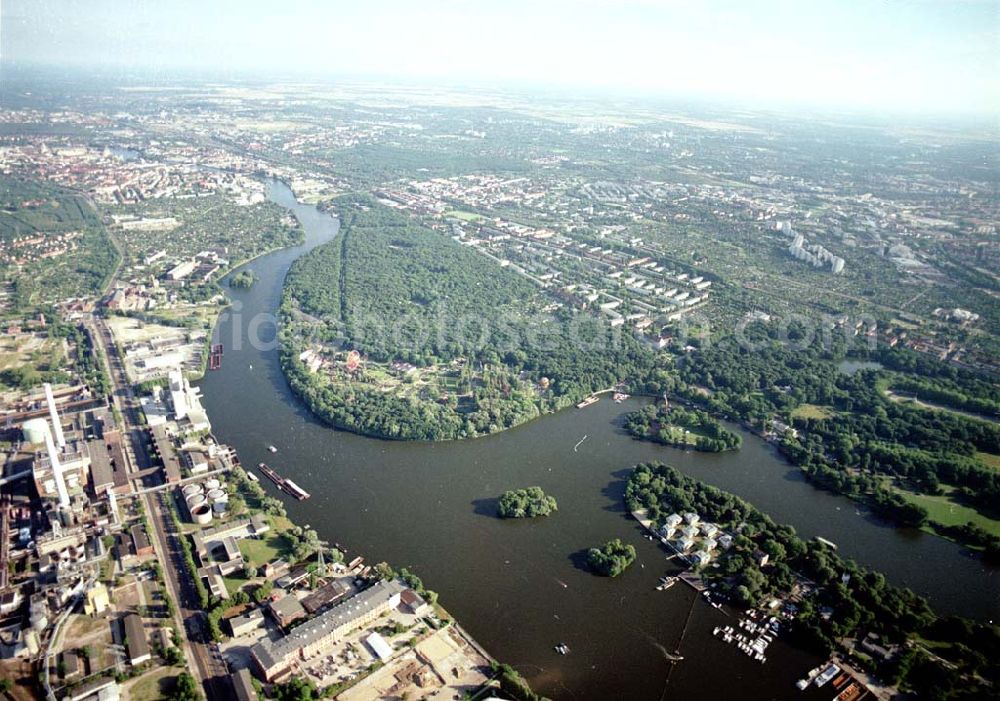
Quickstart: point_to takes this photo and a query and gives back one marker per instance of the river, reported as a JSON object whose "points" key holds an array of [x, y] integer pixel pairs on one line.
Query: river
{"points": [[518, 587]]}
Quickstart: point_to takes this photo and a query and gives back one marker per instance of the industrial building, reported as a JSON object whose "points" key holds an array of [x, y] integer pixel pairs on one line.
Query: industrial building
{"points": [[274, 659], [134, 639]]}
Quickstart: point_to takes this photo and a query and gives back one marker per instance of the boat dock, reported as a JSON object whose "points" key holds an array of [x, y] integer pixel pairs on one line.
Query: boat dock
{"points": [[692, 580], [283, 484], [666, 583], [756, 634]]}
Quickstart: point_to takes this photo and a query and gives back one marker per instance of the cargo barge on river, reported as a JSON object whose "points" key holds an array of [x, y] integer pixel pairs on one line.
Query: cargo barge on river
{"points": [[285, 485]]}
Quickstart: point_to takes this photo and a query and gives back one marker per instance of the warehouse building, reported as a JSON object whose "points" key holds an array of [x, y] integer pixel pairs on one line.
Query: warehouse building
{"points": [[274, 659]]}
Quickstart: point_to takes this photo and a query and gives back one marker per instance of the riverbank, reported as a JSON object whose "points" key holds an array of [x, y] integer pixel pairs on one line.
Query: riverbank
{"points": [[517, 587], [282, 553]]}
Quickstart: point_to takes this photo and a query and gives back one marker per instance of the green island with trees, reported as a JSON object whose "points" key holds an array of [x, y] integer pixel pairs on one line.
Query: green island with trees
{"points": [[612, 558], [525, 503], [450, 345], [840, 600], [243, 280], [682, 428]]}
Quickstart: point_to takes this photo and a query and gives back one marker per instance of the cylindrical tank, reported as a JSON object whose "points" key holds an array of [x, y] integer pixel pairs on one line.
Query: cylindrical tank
{"points": [[218, 495], [201, 514], [220, 508], [212, 484], [35, 430], [190, 489], [194, 500]]}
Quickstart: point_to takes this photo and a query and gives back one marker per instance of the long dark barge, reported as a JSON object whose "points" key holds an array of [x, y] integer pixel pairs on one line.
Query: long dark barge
{"points": [[285, 485]]}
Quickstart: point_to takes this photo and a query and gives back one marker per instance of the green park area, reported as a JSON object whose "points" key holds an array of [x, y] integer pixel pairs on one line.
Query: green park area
{"points": [[948, 511], [811, 411]]}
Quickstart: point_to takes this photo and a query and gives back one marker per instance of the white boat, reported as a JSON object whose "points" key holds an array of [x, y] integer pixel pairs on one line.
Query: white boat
{"points": [[272, 449]]}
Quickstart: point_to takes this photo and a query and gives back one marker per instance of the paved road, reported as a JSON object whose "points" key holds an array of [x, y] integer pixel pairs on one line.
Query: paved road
{"points": [[208, 666]]}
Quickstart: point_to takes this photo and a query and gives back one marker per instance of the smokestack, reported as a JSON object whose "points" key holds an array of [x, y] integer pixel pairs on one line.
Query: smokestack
{"points": [[54, 415], [57, 471]]}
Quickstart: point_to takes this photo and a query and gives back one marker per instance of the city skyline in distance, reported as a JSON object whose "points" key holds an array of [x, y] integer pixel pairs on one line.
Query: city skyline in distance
{"points": [[899, 55]]}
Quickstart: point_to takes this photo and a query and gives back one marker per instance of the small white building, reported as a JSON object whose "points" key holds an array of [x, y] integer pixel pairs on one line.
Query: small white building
{"points": [[379, 646], [691, 518]]}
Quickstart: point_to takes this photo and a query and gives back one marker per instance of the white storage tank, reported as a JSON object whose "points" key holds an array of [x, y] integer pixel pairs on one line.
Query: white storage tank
{"points": [[218, 495], [35, 430], [191, 490], [212, 484]]}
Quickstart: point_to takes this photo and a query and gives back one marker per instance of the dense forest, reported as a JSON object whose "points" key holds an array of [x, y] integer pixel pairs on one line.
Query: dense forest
{"points": [[394, 290], [682, 428], [848, 600]]}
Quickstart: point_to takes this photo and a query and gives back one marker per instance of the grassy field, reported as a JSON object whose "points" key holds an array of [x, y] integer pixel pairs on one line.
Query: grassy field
{"points": [[948, 512], [270, 547], [155, 684], [234, 583], [989, 459], [811, 411]]}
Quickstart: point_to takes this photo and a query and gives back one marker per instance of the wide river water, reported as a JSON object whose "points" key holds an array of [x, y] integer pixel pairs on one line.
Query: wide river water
{"points": [[517, 587]]}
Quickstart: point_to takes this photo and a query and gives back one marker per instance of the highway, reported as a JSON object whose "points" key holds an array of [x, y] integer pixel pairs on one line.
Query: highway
{"points": [[204, 661]]}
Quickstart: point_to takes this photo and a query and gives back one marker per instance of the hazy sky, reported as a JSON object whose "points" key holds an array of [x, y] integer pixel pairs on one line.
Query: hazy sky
{"points": [[928, 55]]}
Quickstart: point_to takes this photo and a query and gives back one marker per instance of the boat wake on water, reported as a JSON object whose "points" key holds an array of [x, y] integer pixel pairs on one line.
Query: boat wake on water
{"points": [[579, 443]]}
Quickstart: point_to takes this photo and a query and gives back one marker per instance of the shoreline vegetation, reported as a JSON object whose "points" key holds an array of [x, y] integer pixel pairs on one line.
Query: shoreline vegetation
{"points": [[837, 601], [848, 438], [243, 280], [525, 503], [354, 344], [681, 428]]}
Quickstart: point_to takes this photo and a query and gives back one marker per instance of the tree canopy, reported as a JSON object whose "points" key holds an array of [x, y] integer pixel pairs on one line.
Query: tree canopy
{"points": [[525, 503]]}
